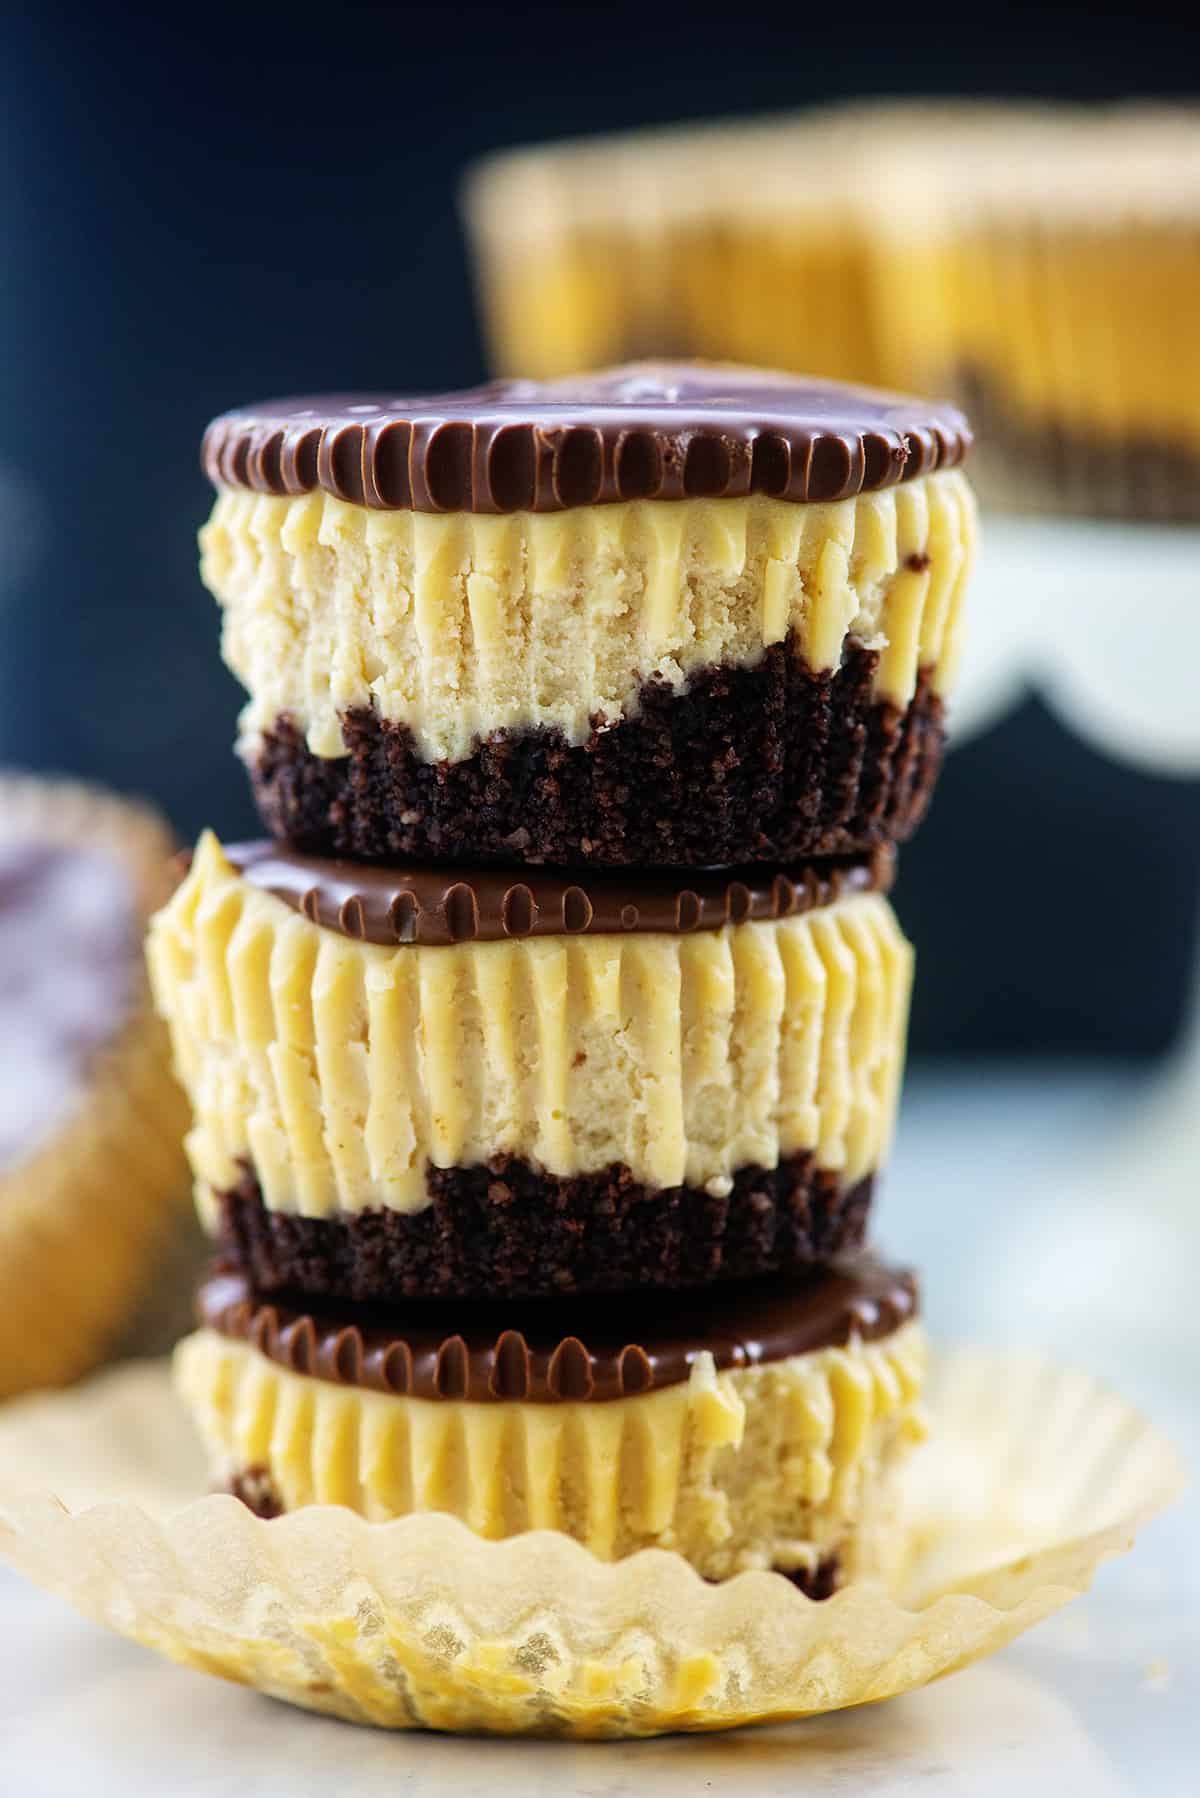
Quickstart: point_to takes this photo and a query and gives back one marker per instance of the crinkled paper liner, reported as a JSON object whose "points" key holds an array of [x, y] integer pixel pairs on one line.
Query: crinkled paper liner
{"points": [[1033, 1476]]}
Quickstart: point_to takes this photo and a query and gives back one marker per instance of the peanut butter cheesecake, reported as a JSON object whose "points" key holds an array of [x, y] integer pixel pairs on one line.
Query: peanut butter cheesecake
{"points": [[757, 1426], [544, 1058], [432, 1079], [664, 615]]}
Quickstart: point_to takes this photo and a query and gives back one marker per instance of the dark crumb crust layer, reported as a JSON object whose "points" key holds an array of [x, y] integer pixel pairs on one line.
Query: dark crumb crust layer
{"points": [[769, 763], [821, 1581], [509, 1229]]}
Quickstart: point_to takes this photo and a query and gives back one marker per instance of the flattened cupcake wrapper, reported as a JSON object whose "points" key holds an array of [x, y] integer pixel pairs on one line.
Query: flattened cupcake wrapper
{"points": [[419, 1623], [85, 1218], [339, 1069]]}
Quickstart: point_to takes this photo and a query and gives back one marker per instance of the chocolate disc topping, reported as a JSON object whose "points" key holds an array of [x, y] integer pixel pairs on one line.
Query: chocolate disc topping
{"points": [[438, 905], [644, 431], [546, 1351]]}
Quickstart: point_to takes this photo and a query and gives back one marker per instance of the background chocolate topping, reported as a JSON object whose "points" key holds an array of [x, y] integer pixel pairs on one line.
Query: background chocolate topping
{"points": [[442, 905], [566, 1349], [644, 431]]}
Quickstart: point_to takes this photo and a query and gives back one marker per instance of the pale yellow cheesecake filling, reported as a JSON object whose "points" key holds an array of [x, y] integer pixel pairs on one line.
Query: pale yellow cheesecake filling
{"points": [[460, 624], [340, 1068], [778, 1466]]}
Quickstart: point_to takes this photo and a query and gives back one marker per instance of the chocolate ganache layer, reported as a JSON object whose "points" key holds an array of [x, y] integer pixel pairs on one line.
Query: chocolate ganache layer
{"points": [[440, 905], [508, 1227], [644, 431], [770, 763], [551, 1352]]}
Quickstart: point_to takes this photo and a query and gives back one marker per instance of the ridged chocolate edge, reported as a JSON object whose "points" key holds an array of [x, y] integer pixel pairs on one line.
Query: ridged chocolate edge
{"points": [[554, 1351], [663, 432], [510, 1229], [424, 903], [774, 763]]}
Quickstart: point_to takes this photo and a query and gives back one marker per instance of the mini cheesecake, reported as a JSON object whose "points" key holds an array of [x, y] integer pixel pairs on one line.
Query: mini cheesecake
{"points": [[431, 1079], [1037, 263], [658, 616], [92, 1173], [1047, 273], [752, 1427]]}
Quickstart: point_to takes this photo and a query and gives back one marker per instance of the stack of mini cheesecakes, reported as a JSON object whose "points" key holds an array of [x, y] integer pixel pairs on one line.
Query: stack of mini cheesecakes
{"points": [[544, 1058]]}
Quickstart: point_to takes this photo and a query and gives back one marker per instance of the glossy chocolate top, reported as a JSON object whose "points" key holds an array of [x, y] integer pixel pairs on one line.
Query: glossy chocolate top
{"points": [[547, 1351], [644, 431], [439, 905]]}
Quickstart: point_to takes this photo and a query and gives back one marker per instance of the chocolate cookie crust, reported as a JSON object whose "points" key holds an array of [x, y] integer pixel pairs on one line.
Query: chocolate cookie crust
{"points": [[665, 431], [774, 762], [510, 1229]]}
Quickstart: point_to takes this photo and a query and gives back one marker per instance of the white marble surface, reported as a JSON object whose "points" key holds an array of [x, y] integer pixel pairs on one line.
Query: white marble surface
{"points": [[994, 1174]]}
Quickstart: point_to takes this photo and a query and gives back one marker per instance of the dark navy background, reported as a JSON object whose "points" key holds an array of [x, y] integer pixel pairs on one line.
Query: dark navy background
{"points": [[203, 206]]}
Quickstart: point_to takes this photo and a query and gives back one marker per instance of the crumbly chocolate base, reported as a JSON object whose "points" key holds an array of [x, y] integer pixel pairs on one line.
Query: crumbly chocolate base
{"points": [[769, 763], [256, 1490], [821, 1581], [1047, 466], [509, 1229]]}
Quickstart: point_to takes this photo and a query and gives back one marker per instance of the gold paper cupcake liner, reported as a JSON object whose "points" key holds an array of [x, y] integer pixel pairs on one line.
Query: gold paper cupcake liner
{"points": [[1034, 1476], [84, 1218], [339, 1069]]}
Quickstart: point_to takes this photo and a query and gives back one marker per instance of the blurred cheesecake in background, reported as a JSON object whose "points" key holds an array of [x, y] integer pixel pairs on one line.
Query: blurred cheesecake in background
{"points": [[1040, 265], [724, 241], [92, 1175], [1048, 274]]}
